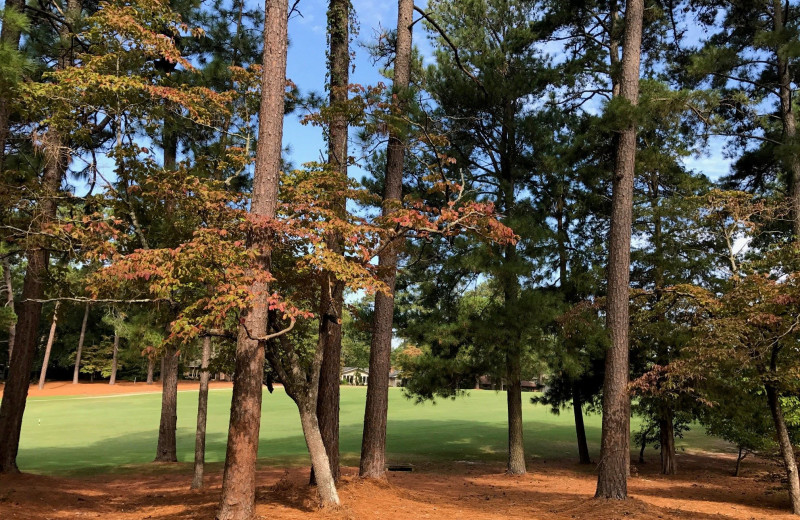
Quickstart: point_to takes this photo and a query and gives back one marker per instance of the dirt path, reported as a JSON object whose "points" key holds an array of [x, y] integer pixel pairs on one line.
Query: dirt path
{"points": [[552, 491], [61, 388]]}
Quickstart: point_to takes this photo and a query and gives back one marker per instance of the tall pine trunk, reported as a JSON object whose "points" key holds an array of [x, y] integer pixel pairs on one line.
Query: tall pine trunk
{"points": [[76, 372], [332, 290], [612, 481], [56, 161], [666, 429], [373, 441], [580, 429], [49, 347], [114, 360], [12, 328], [787, 119], [202, 415], [166, 450], [516, 446], [239, 479]]}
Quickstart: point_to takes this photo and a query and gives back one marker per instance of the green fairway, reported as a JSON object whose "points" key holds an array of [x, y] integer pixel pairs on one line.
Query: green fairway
{"points": [[91, 434]]}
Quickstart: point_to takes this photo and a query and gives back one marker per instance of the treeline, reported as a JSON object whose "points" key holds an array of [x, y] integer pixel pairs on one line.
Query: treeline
{"points": [[530, 210]]}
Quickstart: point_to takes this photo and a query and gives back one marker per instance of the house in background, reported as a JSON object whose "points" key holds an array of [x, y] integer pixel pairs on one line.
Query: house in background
{"points": [[355, 376], [359, 376]]}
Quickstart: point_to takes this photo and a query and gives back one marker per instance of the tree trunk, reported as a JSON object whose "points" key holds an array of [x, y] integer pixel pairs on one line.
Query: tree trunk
{"points": [[785, 443], [332, 294], [641, 451], [614, 464], [151, 365], [50, 338], [326, 486], [669, 465], [81, 339], [787, 119], [12, 329], [239, 478], [166, 450], [516, 446], [202, 414], [580, 430], [15, 391], [114, 360], [373, 441], [739, 458]]}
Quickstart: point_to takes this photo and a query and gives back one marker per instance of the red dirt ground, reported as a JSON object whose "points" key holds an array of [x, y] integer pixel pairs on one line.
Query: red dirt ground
{"points": [[554, 490]]}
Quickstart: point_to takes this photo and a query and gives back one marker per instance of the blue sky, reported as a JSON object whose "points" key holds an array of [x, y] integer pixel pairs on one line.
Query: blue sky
{"points": [[306, 67]]}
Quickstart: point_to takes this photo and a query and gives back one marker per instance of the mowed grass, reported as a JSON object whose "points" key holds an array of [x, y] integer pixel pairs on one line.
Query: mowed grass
{"points": [[81, 435]]}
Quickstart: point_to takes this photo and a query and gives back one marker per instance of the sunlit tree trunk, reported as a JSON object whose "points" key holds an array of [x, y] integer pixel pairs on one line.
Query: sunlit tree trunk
{"points": [[49, 347], [614, 464], [76, 372], [12, 328], [373, 442], [239, 479], [202, 414], [114, 360]]}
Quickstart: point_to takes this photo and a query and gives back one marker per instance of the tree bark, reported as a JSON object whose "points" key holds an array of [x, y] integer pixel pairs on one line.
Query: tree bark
{"points": [[15, 391], [614, 464], [787, 119], [151, 365], [166, 450], [580, 429], [202, 414], [81, 339], [114, 360], [373, 441], [516, 446], [785, 444], [332, 290], [49, 347], [326, 486], [12, 329], [669, 465], [239, 478]]}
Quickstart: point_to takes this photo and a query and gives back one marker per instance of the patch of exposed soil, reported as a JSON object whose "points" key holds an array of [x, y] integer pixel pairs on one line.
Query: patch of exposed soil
{"points": [[60, 388], [553, 490]]}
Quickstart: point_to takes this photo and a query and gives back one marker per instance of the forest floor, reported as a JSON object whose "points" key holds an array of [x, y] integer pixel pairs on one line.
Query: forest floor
{"points": [[458, 469], [553, 490]]}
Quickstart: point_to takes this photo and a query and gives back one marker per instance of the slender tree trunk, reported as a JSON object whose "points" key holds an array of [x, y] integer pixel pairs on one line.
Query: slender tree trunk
{"points": [[326, 487], [50, 338], [332, 293], [81, 339], [787, 118], [114, 360], [239, 478], [669, 465], [785, 444], [166, 450], [151, 365], [516, 446], [12, 329], [739, 458], [373, 441], [202, 414], [614, 465], [580, 430]]}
